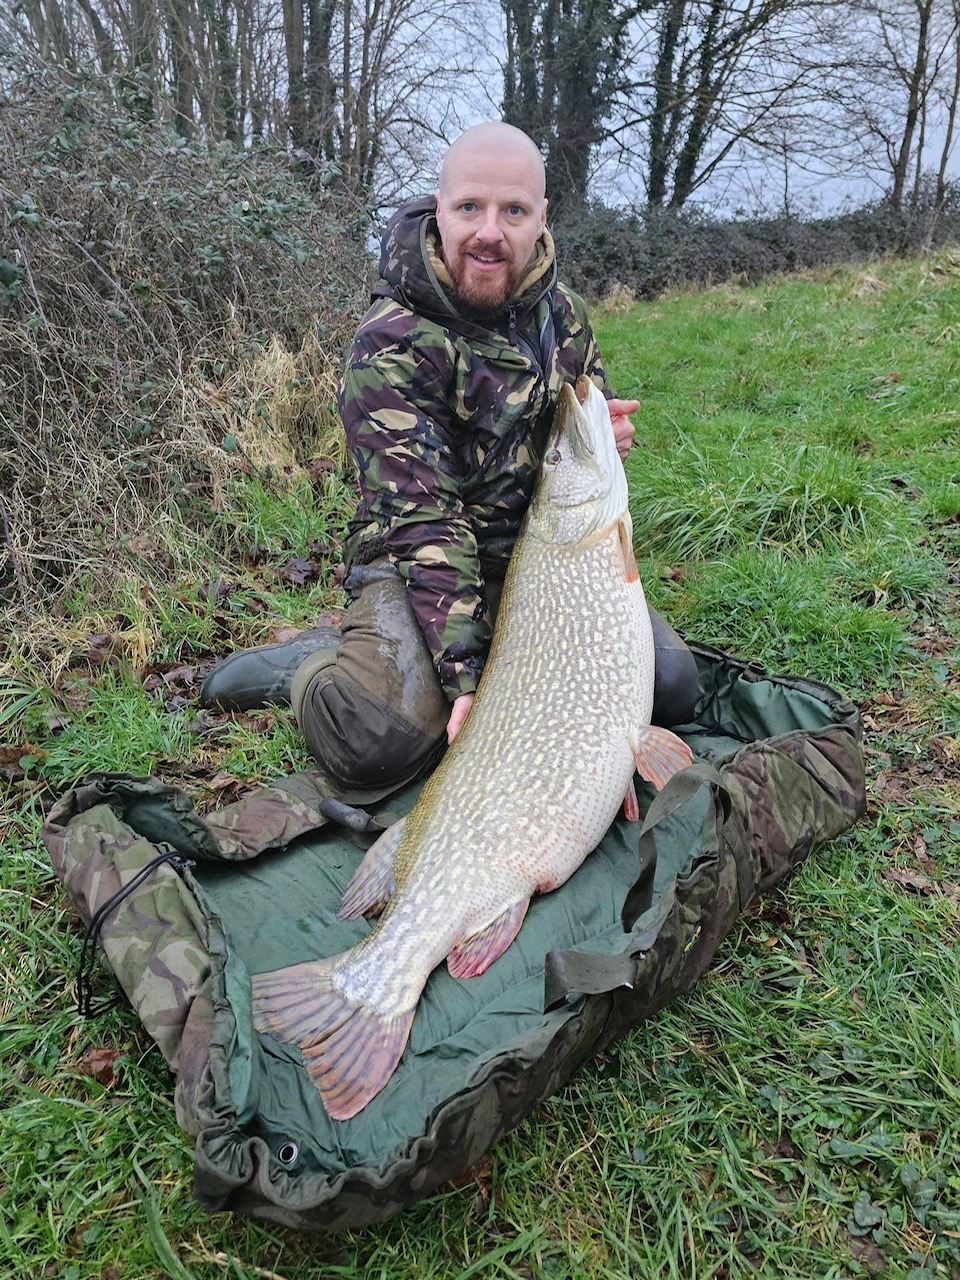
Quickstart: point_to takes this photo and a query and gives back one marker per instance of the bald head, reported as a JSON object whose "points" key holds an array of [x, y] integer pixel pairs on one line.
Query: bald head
{"points": [[498, 146], [491, 211]]}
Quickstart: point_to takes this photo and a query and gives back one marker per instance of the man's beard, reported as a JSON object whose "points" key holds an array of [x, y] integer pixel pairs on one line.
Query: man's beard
{"points": [[483, 302]]}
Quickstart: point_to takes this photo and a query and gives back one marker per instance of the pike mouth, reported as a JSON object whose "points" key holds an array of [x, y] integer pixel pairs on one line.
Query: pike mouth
{"points": [[580, 426]]}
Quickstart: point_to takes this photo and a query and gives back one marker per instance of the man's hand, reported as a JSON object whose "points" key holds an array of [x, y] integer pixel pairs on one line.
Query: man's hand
{"points": [[458, 714], [623, 428]]}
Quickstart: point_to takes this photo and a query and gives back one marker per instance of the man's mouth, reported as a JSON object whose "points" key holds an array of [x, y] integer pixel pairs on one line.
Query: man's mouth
{"points": [[486, 261]]}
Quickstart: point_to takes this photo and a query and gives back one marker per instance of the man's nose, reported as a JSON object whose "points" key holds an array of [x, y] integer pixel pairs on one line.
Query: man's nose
{"points": [[489, 230]]}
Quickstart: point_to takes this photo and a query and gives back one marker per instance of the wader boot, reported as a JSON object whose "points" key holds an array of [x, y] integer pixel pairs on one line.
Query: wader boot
{"points": [[676, 681], [261, 677]]}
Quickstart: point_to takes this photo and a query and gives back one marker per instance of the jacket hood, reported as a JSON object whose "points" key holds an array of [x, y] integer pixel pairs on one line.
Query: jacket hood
{"points": [[413, 270]]}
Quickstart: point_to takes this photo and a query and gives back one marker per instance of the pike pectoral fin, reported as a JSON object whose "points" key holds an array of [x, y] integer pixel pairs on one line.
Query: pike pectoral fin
{"points": [[474, 955], [631, 805], [349, 1051], [631, 571], [372, 885], [658, 754]]}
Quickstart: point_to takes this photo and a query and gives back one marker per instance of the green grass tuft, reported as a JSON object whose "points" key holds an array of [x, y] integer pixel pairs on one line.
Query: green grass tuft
{"points": [[701, 500], [121, 729]]}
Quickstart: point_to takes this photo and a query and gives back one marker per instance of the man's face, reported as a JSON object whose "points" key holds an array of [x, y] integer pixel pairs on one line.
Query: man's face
{"points": [[490, 211]]}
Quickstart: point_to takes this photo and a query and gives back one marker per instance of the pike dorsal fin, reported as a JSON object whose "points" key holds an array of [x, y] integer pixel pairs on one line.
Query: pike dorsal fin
{"points": [[631, 572], [474, 955], [373, 885]]}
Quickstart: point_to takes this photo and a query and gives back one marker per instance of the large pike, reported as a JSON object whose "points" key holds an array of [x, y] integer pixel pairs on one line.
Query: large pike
{"points": [[526, 791]]}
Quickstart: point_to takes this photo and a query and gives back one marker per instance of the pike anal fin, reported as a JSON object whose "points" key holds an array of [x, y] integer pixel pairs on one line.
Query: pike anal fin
{"points": [[474, 955], [658, 754], [349, 1051]]}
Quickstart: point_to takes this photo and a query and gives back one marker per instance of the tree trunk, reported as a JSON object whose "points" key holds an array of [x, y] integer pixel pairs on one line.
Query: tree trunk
{"points": [[951, 112], [293, 44], [182, 66], [665, 103], [139, 90], [321, 95], [522, 75], [106, 49], [704, 100], [914, 103]]}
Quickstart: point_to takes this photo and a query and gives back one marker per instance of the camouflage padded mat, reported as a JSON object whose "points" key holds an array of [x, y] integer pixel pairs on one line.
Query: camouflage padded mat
{"points": [[186, 908]]}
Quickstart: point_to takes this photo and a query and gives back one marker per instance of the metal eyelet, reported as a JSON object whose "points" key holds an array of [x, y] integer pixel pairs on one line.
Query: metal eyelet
{"points": [[288, 1153]]}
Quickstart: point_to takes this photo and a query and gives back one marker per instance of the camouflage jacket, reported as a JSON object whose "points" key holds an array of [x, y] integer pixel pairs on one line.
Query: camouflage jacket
{"points": [[446, 419]]}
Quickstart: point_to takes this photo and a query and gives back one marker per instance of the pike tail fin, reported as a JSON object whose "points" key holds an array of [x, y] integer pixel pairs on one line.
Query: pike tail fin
{"points": [[350, 1050], [658, 754]]}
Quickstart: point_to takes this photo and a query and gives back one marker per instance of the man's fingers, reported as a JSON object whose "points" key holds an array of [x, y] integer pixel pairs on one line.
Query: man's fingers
{"points": [[623, 433], [458, 714], [622, 406]]}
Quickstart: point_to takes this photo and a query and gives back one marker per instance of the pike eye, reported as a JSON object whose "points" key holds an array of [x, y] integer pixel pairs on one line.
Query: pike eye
{"points": [[553, 458]]}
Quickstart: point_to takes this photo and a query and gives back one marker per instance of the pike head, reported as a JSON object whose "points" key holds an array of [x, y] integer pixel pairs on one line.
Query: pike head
{"points": [[582, 488]]}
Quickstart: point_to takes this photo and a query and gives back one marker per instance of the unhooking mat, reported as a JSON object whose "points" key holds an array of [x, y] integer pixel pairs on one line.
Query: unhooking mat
{"points": [[185, 908]]}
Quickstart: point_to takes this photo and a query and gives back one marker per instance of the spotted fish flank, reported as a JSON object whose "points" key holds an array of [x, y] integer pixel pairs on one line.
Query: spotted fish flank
{"points": [[528, 789]]}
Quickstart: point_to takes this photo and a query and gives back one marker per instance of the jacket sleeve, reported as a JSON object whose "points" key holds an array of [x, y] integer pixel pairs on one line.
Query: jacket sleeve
{"points": [[401, 433], [578, 352]]}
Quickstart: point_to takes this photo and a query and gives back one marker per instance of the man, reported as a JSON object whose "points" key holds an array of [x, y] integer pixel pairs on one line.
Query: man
{"points": [[446, 400]]}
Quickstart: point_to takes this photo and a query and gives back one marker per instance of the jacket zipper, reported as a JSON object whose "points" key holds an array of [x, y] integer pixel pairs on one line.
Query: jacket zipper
{"points": [[524, 345]]}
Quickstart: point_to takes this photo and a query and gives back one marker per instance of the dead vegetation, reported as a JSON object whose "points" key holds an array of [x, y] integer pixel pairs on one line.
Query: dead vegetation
{"points": [[169, 315]]}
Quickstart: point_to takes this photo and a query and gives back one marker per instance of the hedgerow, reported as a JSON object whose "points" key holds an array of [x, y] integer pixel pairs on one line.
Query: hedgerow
{"points": [[602, 249], [158, 302]]}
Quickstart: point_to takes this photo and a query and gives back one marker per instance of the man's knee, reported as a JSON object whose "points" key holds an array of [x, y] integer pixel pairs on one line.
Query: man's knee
{"points": [[677, 688], [359, 739]]}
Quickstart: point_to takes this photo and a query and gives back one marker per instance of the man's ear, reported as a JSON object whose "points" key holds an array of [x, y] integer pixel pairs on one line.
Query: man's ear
{"points": [[543, 212]]}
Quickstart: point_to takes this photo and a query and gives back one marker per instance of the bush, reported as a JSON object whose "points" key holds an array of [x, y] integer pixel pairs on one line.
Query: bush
{"points": [[600, 249], [141, 280]]}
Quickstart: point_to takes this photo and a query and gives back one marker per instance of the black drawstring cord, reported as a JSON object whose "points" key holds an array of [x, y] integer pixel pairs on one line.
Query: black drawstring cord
{"points": [[88, 948]]}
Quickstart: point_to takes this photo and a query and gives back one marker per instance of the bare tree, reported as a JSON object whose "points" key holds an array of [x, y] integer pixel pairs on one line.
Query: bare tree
{"points": [[357, 88], [888, 82], [949, 91], [563, 71], [721, 76]]}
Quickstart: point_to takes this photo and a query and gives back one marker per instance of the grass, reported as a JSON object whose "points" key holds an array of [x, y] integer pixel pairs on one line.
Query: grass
{"points": [[798, 1113]]}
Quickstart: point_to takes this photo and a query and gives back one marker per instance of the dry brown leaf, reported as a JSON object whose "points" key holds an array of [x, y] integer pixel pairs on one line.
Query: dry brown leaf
{"points": [[922, 884], [100, 1063]]}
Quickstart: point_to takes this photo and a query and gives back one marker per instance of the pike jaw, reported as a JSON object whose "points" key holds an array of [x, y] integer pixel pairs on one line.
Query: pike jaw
{"points": [[582, 489]]}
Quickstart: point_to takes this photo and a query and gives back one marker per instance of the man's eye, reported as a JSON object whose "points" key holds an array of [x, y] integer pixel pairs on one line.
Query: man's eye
{"points": [[515, 211], [468, 206]]}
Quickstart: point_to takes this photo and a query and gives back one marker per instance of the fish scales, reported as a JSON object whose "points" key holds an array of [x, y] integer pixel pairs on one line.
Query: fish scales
{"points": [[526, 791], [572, 774]]}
